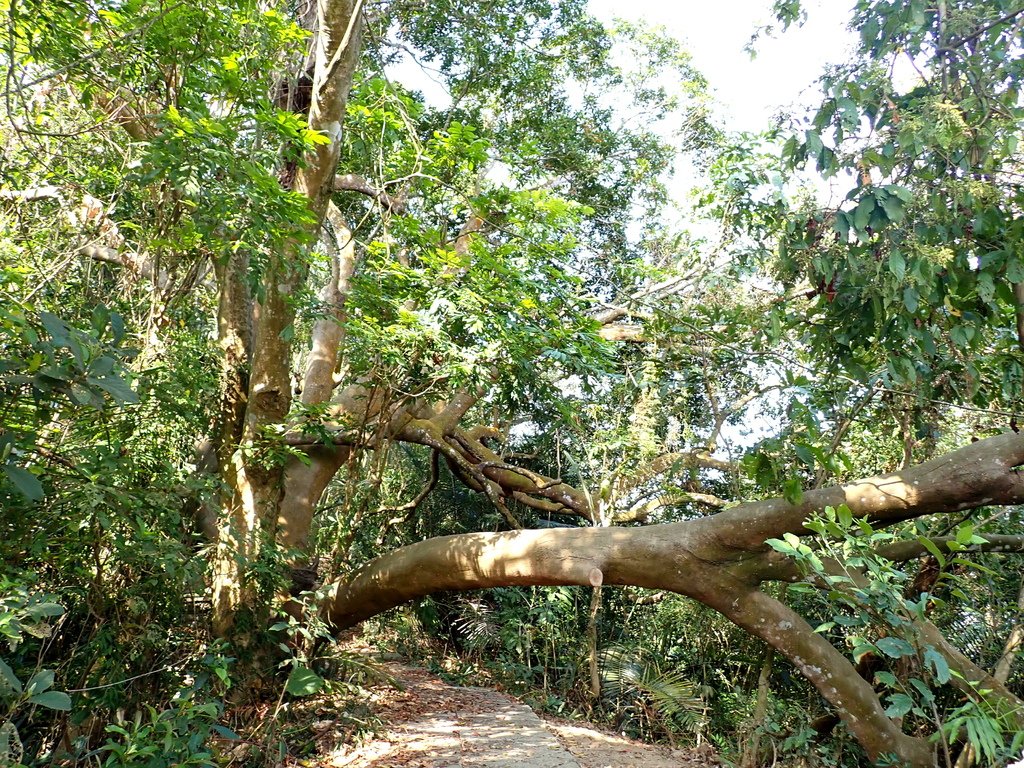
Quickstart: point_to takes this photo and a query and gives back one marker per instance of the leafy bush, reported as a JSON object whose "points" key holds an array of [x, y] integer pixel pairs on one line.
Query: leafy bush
{"points": [[23, 683]]}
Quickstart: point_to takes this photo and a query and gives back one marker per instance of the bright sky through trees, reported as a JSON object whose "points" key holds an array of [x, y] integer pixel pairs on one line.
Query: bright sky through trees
{"points": [[283, 348], [749, 90]]}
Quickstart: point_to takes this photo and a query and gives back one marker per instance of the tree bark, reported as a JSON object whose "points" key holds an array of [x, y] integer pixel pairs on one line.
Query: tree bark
{"points": [[664, 556], [718, 560], [234, 530], [256, 473], [752, 749], [592, 645], [304, 482]]}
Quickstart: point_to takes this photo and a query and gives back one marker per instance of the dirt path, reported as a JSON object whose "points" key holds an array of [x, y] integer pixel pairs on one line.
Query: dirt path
{"points": [[434, 725], [594, 748]]}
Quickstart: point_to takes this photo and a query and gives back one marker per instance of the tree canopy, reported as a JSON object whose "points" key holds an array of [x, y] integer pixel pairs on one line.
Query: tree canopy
{"points": [[287, 340]]}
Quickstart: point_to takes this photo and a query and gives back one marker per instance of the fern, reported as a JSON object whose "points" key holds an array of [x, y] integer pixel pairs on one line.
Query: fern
{"points": [[985, 731], [631, 674], [476, 625]]}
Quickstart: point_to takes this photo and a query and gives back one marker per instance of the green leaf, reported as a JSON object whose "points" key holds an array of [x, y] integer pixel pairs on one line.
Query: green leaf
{"points": [[964, 533], [100, 318], [842, 226], [894, 647], [917, 14], [850, 112], [102, 366], [780, 546], [24, 481], [897, 265], [304, 682], [911, 298], [48, 609], [961, 335], [54, 326], [804, 453], [986, 287], [893, 208], [85, 396], [869, 32], [902, 193], [862, 649], [886, 678], [901, 369], [8, 678], [1014, 270], [52, 700], [923, 689], [933, 548], [862, 213], [938, 663], [116, 387], [117, 327], [41, 681], [899, 705], [11, 749], [226, 733], [793, 491]]}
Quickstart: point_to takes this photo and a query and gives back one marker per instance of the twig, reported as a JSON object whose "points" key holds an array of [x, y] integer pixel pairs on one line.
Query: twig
{"points": [[95, 54], [167, 668], [954, 44], [410, 506]]}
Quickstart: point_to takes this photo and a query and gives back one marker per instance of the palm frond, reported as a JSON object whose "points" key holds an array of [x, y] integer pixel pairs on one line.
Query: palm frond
{"points": [[631, 673], [476, 625]]}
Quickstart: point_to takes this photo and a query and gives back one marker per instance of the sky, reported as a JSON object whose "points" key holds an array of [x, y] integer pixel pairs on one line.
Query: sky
{"points": [[749, 91], [715, 33]]}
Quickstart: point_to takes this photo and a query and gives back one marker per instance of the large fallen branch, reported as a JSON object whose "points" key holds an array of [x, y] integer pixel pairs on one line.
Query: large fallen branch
{"points": [[719, 560]]}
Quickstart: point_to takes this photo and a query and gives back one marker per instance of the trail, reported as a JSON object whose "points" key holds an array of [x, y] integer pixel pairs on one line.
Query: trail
{"points": [[435, 725]]}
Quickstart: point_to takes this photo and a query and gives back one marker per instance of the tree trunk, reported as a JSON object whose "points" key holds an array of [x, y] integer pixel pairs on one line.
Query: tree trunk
{"points": [[592, 647], [664, 556], [234, 336], [263, 494], [752, 749], [1014, 641]]}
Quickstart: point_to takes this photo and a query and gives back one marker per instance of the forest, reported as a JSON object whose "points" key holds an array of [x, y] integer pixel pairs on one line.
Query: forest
{"points": [[293, 352]]}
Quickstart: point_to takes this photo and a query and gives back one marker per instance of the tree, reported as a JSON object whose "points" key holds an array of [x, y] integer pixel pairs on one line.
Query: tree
{"points": [[385, 272]]}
